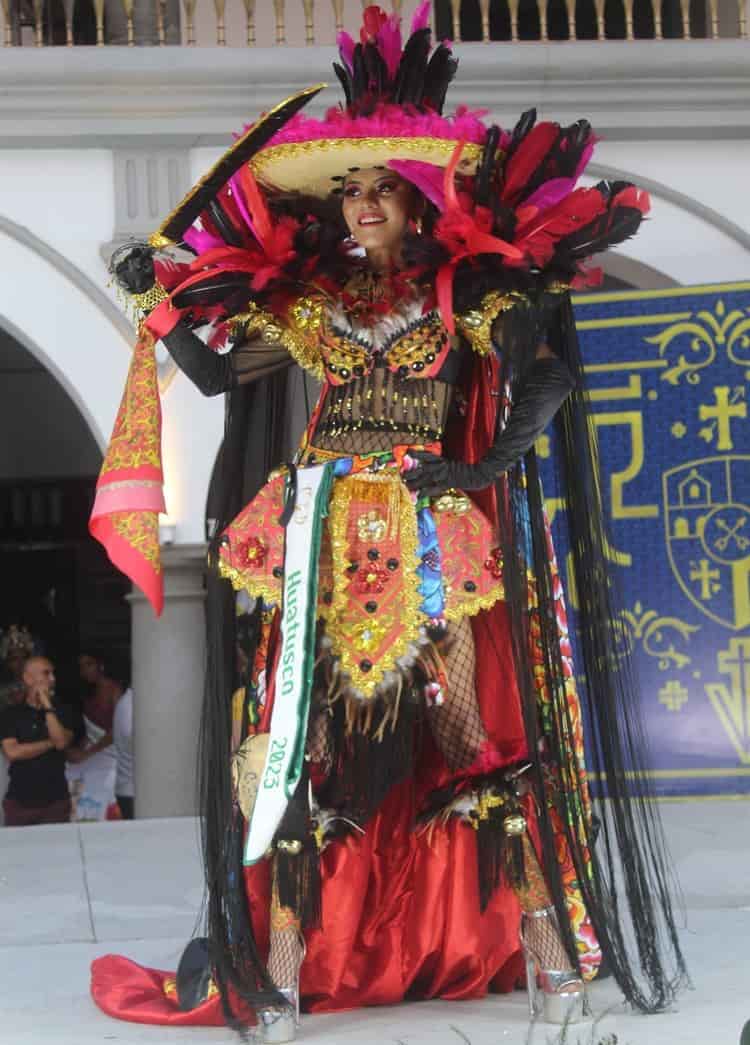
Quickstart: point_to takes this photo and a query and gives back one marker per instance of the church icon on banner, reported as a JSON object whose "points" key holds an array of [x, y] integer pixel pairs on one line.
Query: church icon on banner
{"points": [[708, 535]]}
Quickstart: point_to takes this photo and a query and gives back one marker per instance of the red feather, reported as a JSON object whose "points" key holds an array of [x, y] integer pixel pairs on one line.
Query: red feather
{"points": [[526, 159], [537, 237], [633, 197], [256, 205]]}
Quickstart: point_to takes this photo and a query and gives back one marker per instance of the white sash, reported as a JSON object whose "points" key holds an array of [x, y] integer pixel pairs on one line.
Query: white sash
{"points": [[294, 671]]}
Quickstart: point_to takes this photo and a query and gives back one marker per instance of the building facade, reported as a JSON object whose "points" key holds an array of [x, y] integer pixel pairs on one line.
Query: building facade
{"points": [[98, 143]]}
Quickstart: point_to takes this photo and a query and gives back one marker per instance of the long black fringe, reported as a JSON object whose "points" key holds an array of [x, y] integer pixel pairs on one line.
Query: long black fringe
{"points": [[652, 971], [253, 445]]}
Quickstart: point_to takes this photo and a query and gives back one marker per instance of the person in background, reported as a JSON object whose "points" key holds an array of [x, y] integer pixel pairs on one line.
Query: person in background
{"points": [[91, 768], [16, 646], [122, 733], [34, 735]]}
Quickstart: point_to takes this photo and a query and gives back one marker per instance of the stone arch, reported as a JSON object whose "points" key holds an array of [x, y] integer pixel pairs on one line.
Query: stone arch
{"points": [[69, 324], [77, 332]]}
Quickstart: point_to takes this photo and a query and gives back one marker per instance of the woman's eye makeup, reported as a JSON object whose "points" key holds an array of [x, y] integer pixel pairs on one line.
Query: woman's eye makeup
{"points": [[383, 188]]}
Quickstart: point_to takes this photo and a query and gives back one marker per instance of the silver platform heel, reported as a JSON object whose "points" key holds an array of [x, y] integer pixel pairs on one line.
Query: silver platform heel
{"points": [[558, 996], [277, 1024], [280, 1025]]}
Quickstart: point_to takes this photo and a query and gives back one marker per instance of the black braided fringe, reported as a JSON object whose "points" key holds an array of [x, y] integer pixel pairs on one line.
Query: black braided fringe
{"points": [[652, 971]]}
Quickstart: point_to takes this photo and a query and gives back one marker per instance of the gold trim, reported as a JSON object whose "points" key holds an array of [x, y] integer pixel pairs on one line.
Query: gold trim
{"points": [[310, 165], [476, 324], [298, 336], [158, 239], [471, 606], [410, 615], [239, 583]]}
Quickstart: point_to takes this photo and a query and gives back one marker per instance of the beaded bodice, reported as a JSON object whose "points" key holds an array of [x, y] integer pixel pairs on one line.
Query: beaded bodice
{"points": [[388, 373]]}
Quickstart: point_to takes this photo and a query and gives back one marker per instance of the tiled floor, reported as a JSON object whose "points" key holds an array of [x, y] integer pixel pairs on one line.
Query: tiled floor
{"points": [[69, 894]]}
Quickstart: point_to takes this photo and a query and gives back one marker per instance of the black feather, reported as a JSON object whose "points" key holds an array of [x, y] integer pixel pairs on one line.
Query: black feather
{"points": [[608, 230], [254, 139], [377, 71], [359, 74], [525, 122], [412, 68], [221, 220], [213, 291], [561, 159], [345, 79], [441, 69], [486, 169]]}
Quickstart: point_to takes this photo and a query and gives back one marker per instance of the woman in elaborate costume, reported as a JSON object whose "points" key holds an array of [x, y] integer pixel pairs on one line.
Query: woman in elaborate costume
{"points": [[392, 751]]}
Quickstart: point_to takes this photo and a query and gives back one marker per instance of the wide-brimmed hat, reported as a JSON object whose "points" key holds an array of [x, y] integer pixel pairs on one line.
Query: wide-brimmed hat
{"points": [[393, 112]]}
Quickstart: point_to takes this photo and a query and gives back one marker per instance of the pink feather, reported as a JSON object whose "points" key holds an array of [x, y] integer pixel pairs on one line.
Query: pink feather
{"points": [[550, 193], [421, 17], [345, 45], [239, 199], [585, 157], [201, 241], [389, 44], [387, 121], [427, 177]]}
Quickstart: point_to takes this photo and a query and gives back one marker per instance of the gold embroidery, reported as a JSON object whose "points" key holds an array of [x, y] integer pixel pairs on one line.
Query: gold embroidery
{"points": [[141, 531], [461, 605], [386, 635], [371, 526], [169, 986], [298, 333], [476, 325], [256, 589], [136, 437], [417, 349], [150, 298]]}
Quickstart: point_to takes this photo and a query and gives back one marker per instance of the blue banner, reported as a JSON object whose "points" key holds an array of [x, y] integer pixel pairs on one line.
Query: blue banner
{"points": [[668, 372]]}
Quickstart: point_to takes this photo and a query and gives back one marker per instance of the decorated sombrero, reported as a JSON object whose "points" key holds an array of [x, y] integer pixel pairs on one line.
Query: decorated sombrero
{"points": [[393, 115]]}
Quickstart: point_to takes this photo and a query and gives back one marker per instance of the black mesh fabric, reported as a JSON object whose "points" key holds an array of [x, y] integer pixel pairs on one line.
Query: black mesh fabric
{"points": [[455, 720]]}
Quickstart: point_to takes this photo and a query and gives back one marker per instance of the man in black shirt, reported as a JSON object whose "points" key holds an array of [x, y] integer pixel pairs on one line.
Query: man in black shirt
{"points": [[34, 735]]}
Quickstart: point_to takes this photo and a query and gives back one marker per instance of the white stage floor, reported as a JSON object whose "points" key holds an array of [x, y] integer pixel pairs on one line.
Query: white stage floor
{"points": [[71, 893]]}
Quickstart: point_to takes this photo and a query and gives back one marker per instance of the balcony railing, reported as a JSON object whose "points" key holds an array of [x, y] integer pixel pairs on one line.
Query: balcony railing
{"points": [[269, 23]]}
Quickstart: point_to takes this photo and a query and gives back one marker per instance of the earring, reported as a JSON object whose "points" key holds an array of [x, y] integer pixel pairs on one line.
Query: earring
{"points": [[418, 226]]}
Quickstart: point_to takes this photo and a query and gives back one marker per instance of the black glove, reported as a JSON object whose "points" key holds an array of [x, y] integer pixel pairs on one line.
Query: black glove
{"points": [[132, 265], [543, 391], [211, 372]]}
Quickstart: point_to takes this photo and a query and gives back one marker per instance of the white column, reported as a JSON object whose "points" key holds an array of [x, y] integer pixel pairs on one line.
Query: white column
{"points": [[168, 659]]}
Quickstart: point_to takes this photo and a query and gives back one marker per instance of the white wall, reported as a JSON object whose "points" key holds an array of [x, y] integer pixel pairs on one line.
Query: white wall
{"points": [[65, 199]]}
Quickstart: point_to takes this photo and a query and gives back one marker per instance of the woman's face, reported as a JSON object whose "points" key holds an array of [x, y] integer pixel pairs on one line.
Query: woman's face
{"points": [[377, 206]]}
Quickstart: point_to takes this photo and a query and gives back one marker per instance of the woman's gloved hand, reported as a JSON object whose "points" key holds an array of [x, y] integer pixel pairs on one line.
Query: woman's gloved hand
{"points": [[132, 265], [543, 391]]}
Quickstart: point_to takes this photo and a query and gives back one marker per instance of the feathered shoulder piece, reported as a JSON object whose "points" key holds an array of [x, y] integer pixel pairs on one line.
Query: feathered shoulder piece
{"points": [[522, 222]]}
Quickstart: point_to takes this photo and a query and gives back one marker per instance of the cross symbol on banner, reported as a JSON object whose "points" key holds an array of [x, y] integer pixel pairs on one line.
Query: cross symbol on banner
{"points": [[708, 578], [732, 702], [723, 412]]}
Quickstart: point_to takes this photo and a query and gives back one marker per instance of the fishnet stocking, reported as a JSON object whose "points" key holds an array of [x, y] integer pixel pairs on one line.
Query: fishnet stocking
{"points": [[541, 934], [320, 742], [456, 723], [287, 949]]}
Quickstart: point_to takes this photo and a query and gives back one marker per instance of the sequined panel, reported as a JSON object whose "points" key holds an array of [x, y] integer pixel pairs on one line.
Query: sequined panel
{"points": [[472, 572], [373, 618], [251, 552]]}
